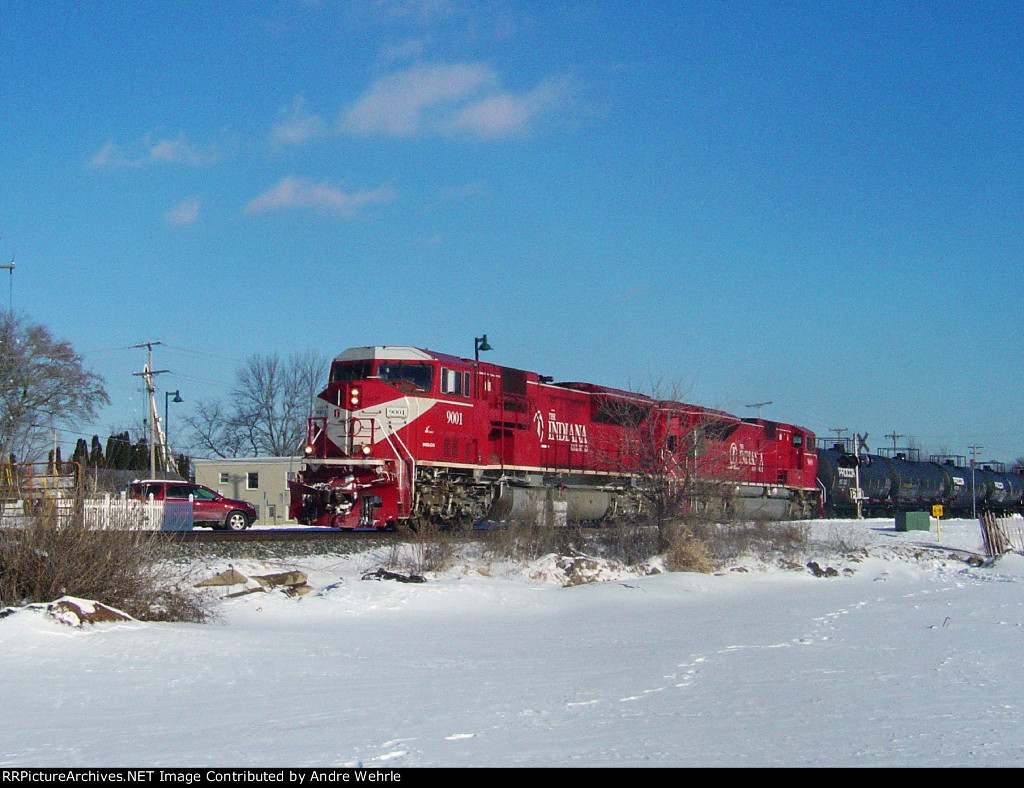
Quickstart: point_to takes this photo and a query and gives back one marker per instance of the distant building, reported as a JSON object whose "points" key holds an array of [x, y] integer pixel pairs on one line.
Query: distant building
{"points": [[262, 481]]}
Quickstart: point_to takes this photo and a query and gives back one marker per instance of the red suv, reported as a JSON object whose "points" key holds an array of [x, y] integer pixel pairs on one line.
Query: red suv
{"points": [[209, 508]]}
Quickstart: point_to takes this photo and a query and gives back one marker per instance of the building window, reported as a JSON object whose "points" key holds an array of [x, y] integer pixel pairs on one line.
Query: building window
{"points": [[224, 477], [252, 480], [272, 511]]}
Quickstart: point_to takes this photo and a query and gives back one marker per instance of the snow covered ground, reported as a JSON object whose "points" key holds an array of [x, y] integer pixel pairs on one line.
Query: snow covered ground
{"points": [[908, 657]]}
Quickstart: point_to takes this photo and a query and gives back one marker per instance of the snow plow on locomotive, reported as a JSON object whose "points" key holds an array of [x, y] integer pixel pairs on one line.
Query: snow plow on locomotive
{"points": [[409, 436]]}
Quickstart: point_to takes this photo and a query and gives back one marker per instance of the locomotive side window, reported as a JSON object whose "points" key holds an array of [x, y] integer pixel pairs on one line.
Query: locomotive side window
{"points": [[454, 382], [420, 376]]}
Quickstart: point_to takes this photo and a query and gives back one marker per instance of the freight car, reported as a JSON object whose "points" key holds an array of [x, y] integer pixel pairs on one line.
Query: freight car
{"points": [[903, 482], [403, 435]]}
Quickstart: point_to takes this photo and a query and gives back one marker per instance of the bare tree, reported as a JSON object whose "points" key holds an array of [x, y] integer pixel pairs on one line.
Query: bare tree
{"points": [[215, 431], [270, 403], [677, 455], [43, 385]]}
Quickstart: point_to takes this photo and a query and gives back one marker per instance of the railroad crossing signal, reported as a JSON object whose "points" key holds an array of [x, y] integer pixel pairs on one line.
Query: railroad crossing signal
{"points": [[863, 452]]}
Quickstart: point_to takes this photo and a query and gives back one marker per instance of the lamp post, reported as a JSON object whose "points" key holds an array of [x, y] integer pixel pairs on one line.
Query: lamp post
{"points": [[480, 343], [167, 436]]}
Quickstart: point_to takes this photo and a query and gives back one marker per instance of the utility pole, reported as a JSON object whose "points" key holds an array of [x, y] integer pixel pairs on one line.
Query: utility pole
{"points": [[10, 284], [974, 460], [759, 405], [895, 436], [147, 374], [839, 432]]}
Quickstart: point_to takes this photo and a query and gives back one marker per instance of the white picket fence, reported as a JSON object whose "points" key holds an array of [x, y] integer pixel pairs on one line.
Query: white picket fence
{"points": [[111, 512], [121, 513]]}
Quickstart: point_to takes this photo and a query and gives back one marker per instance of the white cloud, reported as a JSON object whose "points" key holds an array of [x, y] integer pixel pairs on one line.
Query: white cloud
{"points": [[448, 98], [292, 192], [404, 51], [506, 113], [403, 103], [147, 152], [297, 126], [412, 11], [184, 213]]}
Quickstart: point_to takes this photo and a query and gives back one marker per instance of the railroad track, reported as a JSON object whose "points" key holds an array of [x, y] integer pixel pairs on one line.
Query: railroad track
{"points": [[272, 535]]}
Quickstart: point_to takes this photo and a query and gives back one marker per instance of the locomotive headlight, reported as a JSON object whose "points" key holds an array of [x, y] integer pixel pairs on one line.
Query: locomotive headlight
{"points": [[354, 396], [309, 448], [366, 450]]}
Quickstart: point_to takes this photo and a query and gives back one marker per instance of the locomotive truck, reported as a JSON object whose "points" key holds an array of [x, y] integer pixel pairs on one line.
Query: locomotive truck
{"points": [[403, 435]]}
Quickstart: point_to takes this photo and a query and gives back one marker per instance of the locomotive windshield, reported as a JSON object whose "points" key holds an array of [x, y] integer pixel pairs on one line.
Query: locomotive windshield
{"points": [[420, 376], [346, 371]]}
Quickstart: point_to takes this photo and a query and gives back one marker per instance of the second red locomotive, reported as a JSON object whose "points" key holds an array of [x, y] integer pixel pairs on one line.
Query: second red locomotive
{"points": [[404, 435]]}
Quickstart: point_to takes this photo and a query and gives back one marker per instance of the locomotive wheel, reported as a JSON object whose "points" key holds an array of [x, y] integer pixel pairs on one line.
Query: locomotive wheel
{"points": [[236, 521]]}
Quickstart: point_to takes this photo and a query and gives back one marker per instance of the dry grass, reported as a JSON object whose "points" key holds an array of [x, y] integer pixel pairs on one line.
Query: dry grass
{"points": [[124, 569], [764, 539], [686, 551], [427, 549]]}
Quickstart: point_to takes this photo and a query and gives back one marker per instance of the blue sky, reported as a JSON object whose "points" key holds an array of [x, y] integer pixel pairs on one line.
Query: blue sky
{"points": [[814, 203]]}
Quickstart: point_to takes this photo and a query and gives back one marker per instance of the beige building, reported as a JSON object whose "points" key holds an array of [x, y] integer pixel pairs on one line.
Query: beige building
{"points": [[262, 481]]}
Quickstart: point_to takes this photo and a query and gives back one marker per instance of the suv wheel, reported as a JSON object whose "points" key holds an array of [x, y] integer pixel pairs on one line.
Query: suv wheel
{"points": [[236, 521]]}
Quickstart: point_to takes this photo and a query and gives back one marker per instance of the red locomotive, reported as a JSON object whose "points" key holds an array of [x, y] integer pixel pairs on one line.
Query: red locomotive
{"points": [[404, 435]]}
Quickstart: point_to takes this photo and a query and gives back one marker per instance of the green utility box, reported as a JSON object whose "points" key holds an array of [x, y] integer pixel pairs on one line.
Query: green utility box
{"points": [[913, 521]]}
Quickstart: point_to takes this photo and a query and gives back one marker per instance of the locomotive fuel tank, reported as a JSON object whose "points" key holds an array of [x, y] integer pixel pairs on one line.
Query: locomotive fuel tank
{"points": [[549, 505]]}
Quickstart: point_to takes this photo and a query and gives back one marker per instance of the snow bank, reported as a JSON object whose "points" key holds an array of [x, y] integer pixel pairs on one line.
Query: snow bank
{"points": [[908, 659]]}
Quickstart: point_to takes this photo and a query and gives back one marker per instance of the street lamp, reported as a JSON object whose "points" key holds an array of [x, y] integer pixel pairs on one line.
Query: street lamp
{"points": [[480, 343], [167, 437]]}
